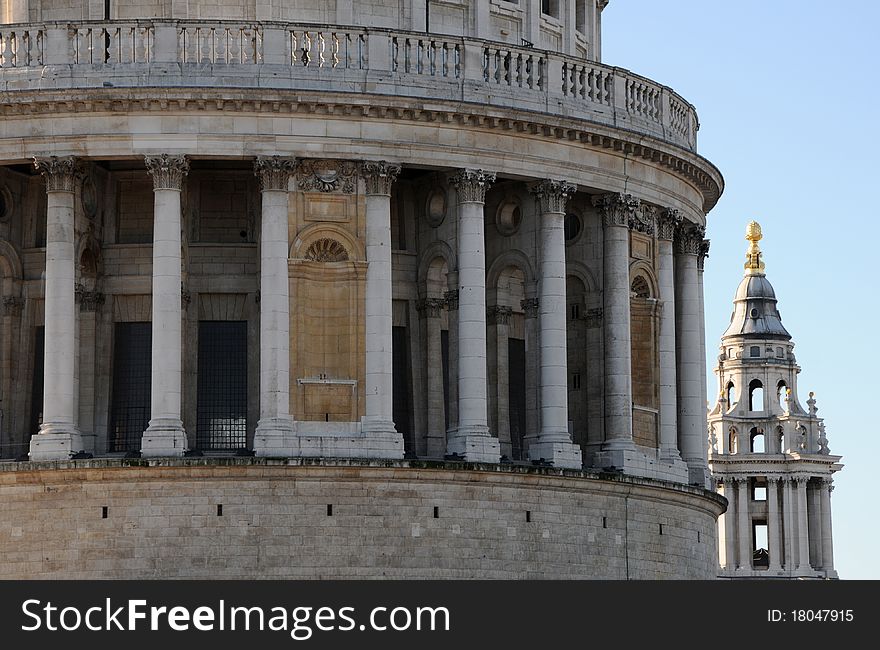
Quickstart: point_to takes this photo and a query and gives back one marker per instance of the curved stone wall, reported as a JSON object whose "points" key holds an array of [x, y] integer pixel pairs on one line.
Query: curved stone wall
{"points": [[250, 518]]}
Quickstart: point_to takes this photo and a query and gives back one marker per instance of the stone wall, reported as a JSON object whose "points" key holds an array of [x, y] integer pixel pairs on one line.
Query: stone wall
{"points": [[249, 518]]}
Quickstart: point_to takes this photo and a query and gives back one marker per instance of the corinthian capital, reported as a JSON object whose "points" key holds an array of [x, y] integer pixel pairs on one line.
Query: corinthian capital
{"points": [[689, 239], [703, 254], [617, 209], [552, 195], [471, 184], [667, 223], [379, 175], [274, 172], [61, 173], [168, 171]]}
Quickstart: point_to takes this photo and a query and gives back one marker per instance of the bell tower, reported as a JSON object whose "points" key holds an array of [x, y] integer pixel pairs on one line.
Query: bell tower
{"points": [[769, 456]]}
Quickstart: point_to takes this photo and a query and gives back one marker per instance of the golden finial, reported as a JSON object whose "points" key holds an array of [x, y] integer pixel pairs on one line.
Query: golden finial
{"points": [[754, 264]]}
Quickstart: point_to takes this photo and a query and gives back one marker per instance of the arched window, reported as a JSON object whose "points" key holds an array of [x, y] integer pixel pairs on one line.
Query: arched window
{"points": [[756, 395], [756, 440], [754, 351], [781, 394], [730, 394], [731, 441], [640, 288]]}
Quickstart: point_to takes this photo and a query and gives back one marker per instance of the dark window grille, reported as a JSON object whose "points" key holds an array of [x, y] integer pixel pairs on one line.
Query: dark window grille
{"points": [[516, 395], [132, 364], [444, 353], [221, 420], [37, 381]]}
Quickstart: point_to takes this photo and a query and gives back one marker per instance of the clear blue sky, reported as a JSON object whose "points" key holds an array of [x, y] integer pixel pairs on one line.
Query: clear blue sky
{"points": [[789, 102]]}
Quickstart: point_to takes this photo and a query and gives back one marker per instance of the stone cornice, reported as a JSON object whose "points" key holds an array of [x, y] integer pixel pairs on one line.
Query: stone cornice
{"points": [[274, 172], [471, 185], [168, 171], [552, 195], [696, 170], [61, 172], [379, 176]]}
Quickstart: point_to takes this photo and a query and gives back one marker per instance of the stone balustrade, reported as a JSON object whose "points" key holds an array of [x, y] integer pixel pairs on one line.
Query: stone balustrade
{"points": [[287, 56]]}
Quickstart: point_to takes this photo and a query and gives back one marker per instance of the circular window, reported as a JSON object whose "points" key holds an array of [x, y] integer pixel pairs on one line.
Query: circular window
{"points": [[508, 217], [435, 207], [572, 226], [5, 203]]}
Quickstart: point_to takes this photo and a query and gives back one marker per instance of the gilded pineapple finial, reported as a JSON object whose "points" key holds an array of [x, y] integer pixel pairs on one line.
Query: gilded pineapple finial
{"points": [[754, 264]]}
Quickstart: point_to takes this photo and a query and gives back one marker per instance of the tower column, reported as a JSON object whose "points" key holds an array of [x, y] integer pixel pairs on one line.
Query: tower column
{"points": [[788, 526], [773, 522], [430, 309], [471, 439], [275, 430], [827, 542], [691, 406], [165, 435], [667, 224], [378, 423], [553, 444], [618, 211], [59, 438], [743, 532], [729, 523], [803, 531]]}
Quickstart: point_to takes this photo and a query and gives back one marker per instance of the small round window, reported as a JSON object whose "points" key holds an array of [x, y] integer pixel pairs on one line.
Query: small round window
{"points": [[572, 227]]}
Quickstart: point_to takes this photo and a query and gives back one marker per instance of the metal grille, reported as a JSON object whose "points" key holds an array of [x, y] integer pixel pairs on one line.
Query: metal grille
{"points": [[400, 386], [132, 363], [222, 389]]}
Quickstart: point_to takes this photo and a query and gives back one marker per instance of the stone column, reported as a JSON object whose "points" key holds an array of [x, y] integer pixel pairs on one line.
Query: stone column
{"points": [[803, 532], [773, 523], [165, 435], [691, 364], [553, 444], [59, 438], [618, 450], [827, 541], [530, 307], [669, 220], [275, 434], [471, 440], [378, 424], [89, 304], [498, 317], [729, 522], [743, 521], [788, 510], [430, 310]]}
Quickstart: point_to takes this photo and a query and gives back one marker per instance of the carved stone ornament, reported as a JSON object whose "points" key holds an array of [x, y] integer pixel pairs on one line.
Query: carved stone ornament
{"points": [[379, 176], [667, 222], [617, 209], [274, 172], [703, 254], [472, 184], [552, 195], [451, 299], [593, 317], [327, 176], [89, 301], [499, 314], [326, 250], [689, 239], [430, 307], [530, 307], [12, 305], [168, 171], [61, 173], [642, 219]]}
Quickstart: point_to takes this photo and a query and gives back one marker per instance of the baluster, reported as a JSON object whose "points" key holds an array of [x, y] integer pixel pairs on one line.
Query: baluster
{"points": [[432, 58], [485, 64], [444, 53], [395, 52], [7, 59], [112, 39], [457, 63], [361, 53], [306, 48]]}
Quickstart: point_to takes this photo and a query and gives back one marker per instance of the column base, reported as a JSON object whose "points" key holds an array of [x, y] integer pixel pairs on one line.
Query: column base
{"points": [[276, 437], [474, 445], [698, 474], [381, 439], [558, 454], [639, 461], [164, 437], [55, 442]]}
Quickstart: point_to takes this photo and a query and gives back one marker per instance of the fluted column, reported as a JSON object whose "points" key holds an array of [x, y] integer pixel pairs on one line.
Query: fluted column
{"points": [[617, 211], [165, 435], [59, 438], [691, 363], [803, 531], [788, 510], [744, 533], [471, 439], [827, 541], [378, 423], [773, 527], [275, 430], [729, 523], [667, 223], [553, 443]]}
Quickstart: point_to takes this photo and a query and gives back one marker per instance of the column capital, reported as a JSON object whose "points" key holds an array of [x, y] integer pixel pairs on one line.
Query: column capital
{"points": [[552, 195], [167, 170], [726, 481], [617, 209], [12, 305], [773, 478], [274, 172], [379, 175], [450, 299], [643, 218], [689, 238], [471, 184], [800, 479], [703, 254], [668, 221], [499, 314], [530, 307], [430, 307], [89, 301], [61, 172]]}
